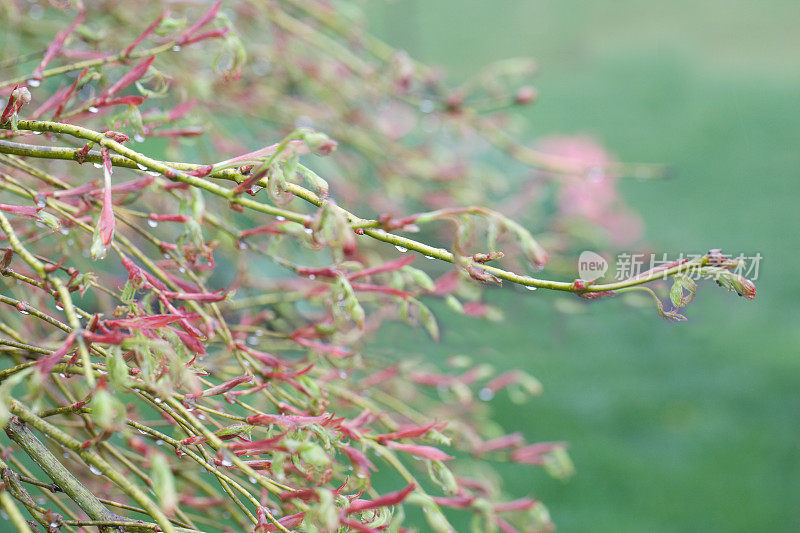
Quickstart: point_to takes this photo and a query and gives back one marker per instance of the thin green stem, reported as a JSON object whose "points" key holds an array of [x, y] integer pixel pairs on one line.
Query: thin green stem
{"points": [[176, 171]]}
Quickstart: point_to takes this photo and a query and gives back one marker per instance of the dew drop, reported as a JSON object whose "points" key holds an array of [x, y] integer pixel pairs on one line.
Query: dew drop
{"points": [[152, 223], [181, 270], [428, 257], [159, 442], [280, 218], [226, 462], [242, 245], [94, 470], [342, 374], [152, 173], [401, 249], [530, 287], [98, 165], [176, 48], [37, 132], [34, 82], [138, 138], [312, 276], [158, 400], [24, 312], [309, 231], [426, 106], [59, 307], [93, 109], [252, 340], [64, 231], [486, 394], [251, 479], [141, 166], [63, 375], [201, 416]]}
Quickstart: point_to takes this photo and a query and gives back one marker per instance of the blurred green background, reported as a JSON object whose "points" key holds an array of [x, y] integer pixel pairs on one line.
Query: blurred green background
{"points": [[673, 427]]}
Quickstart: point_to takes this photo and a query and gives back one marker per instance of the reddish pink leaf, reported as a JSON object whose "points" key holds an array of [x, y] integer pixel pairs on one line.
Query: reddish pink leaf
{"points": [[368, 287], [147, 322], [47, 362], [169, 218], [180, 110], [138, 274], [142, 36], [456, 502], [133, 75], [321, 347], [476, 309], [273, 228], [113, 337], [207, 17], [412, 432], [122, 100], [21, 210], [288, 522], [222, 388], [221, 32], [104, 233], [293, 421], [532, 454], [390, 266], [387, 500], [425, 452], [358, 459], [57, 44], [189, 131], [522, 504], [504, 526], [513, 440], [217, 296], [380, 376], [69, 93]]}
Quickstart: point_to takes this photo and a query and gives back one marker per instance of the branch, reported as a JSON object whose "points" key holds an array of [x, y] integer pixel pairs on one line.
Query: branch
{"points": [[59, 474], [175, 171], [93, 458]]}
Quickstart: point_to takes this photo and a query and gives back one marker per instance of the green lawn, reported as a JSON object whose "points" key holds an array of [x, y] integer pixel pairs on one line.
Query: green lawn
{"points": [[673, 427]]}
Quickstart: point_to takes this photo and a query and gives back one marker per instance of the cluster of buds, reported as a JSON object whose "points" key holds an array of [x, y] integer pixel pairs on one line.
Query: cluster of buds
{"points": [[18, 98]]}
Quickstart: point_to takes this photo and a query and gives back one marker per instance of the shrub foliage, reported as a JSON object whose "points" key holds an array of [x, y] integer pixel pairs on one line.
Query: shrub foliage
{"points": [[191, 268]]}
